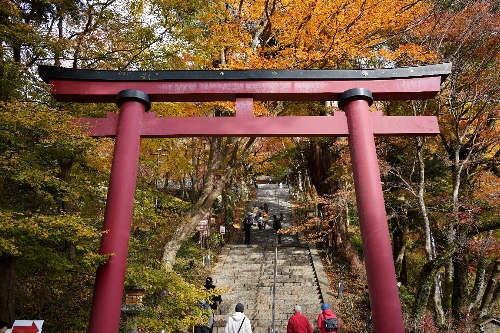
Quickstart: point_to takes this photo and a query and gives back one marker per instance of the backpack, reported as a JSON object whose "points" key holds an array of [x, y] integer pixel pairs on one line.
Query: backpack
{"points": [[276, 224], [249, 220], [331, 324]]}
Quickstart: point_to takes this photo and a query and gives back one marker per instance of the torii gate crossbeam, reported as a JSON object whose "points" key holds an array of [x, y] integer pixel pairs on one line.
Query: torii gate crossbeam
{"points": [[355, 90]]}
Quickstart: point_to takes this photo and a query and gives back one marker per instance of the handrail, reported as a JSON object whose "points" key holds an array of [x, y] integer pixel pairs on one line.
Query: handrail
{"points": [[273, 307]]}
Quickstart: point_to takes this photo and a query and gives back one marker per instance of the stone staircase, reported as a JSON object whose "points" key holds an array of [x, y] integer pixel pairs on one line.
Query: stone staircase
{"points": [[248, 271]]}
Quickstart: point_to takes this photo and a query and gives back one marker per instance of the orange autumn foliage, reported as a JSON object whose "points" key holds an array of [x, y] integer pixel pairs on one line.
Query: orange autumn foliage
{"points": [[313, 34]]}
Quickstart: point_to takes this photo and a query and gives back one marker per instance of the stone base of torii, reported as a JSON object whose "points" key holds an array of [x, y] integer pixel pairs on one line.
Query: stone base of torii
{"points": [[355, 90]]}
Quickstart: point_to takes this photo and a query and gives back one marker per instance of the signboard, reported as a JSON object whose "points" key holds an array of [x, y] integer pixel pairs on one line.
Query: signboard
{"points": [[26, 326], [202, 225], [222, 230]]}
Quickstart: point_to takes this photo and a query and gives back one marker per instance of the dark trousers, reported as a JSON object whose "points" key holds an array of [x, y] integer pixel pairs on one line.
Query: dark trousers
{"points": [[279, 237], [201, 329], [247, 235]]}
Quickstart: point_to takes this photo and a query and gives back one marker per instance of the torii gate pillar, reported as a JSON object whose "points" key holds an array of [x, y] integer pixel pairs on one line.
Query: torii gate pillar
{"points": [[377, 250], [108, 289], [354, 89]]}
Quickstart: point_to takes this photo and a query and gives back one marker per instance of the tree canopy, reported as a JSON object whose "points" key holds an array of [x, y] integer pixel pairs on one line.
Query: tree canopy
{"points": [[441, 193]]}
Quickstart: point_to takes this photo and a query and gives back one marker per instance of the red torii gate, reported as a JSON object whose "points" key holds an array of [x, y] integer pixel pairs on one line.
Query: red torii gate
{"points": [[355, 90]]}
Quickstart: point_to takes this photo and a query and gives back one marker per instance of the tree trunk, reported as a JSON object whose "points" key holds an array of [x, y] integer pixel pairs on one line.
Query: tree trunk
{"points": [[460, 293], [321, 157], [333, 236], [438, 306], [212, 188], [351, 253], [427, 278], [492, 291], [448, 280], [195, 162], [66, 164], [451, 235], [399, 246], [430, 248], [7, 288], [478, 288], [344, 245]]}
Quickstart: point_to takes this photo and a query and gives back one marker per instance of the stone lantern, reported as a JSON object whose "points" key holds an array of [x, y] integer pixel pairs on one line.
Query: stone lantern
{"points": [[133, 306], [134, 295]]}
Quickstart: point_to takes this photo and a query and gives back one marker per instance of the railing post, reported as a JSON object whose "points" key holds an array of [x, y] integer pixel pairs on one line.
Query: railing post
{"points": [[273, 305]]}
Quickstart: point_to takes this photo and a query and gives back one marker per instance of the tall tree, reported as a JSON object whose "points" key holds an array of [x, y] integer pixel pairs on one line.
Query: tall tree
{"points": [[464, 33], [311, 34], [53, 178]]}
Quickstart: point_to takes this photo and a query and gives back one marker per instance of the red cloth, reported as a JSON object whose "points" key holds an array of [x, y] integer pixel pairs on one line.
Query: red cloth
{"points": [[298, 323], [321, 321]]}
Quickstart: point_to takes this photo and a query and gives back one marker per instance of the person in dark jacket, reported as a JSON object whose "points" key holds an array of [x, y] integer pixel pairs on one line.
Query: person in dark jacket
{"points": [[326, 313], [217, 299], [277, 225], [298, 323], [247, 227]]}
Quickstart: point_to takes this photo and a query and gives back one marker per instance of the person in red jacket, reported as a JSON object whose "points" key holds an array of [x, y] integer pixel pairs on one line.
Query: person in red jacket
{"points": [[298, 323], [326, 313]]}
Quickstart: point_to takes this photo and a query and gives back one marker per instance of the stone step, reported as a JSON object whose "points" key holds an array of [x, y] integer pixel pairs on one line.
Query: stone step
{"points": [[248, 271]]}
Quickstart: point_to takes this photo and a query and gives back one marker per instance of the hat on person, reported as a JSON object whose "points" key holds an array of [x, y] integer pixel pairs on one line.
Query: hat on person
{"points": [[208, 280], [297, 308], [325, 306], [239, 307]]}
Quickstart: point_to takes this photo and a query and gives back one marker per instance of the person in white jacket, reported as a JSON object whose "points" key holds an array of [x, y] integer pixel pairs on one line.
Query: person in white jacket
{"points": [[238, 322]]}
